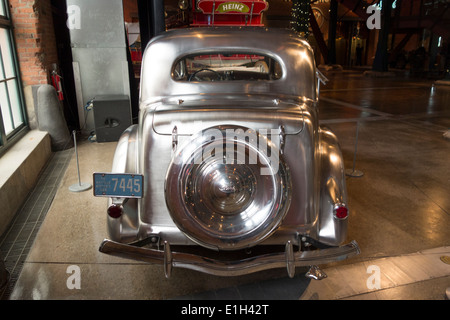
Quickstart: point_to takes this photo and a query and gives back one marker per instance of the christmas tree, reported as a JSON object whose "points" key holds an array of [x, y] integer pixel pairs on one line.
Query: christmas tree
{"points": [[300, 16]]}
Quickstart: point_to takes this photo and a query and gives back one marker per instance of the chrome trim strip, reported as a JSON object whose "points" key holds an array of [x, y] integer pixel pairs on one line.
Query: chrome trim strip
{"points": [[287, 259]]}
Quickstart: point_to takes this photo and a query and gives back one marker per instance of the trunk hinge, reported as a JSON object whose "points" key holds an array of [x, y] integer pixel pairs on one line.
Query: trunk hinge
{"points": [[282, 138], [174, 138]]}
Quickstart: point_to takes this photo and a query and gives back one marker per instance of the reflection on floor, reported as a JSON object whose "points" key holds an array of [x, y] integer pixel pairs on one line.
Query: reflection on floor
{"points": [[16, 242], [400, 213]]}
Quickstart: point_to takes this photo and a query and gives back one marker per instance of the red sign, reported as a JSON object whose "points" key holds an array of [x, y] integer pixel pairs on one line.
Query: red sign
{"points": [[228, 12], [237, 7]]}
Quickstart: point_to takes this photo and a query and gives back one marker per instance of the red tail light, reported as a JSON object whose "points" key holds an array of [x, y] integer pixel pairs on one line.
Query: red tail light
{"points": [[115, 211], [340, 211]]}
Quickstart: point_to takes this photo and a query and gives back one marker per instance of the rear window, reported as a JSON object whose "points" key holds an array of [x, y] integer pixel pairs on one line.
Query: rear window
{"points": [[226, 67]]}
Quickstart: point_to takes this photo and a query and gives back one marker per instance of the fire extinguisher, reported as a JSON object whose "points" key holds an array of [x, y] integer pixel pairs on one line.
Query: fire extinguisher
{"points": [[56, 81]]}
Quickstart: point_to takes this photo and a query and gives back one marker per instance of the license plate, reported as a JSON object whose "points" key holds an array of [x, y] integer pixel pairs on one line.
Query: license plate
{"points": [[120, 185]]}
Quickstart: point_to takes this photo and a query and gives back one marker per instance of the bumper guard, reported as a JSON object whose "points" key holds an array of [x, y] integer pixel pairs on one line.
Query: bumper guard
{"points": [[289, 258]]}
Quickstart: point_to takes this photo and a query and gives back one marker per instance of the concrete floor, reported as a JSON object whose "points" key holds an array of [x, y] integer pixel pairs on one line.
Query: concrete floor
{"points": [[400, 213]]}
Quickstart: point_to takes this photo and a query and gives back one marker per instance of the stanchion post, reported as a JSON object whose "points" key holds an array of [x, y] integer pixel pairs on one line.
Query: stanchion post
{"points": [[78, 187], [353, 172]]}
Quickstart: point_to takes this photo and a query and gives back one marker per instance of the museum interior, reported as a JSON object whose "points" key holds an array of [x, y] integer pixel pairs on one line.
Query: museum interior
{"points": [[74, 81]]}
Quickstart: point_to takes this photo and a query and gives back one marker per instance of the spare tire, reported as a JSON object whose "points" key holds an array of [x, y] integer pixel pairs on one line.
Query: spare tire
{"points": [[224, 192]]}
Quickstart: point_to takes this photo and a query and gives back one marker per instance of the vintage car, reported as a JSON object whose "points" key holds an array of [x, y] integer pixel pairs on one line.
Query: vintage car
{"points": [[228, 171]]}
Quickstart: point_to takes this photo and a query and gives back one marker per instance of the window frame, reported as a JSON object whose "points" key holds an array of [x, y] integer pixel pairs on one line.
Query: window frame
{"points": [[7, 140], [219, 61]]}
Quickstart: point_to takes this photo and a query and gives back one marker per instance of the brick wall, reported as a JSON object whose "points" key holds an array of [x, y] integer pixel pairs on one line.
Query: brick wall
{"points": [[36, 47], [130, 10], [35, 39]]}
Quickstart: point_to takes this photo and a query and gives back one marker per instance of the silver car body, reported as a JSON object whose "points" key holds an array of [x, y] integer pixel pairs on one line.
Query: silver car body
{"points": [[293, 207]]}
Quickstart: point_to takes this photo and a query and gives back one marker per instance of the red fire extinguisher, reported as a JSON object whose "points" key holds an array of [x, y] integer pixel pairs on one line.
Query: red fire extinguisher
{"points": [[56, 81]]}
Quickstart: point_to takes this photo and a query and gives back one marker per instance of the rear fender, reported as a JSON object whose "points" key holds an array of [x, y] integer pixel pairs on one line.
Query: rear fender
{"points": [[333, 190], [125, 228]]}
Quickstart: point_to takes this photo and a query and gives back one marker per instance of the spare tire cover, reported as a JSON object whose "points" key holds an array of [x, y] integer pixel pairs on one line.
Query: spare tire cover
{"points": [[224, 191]]}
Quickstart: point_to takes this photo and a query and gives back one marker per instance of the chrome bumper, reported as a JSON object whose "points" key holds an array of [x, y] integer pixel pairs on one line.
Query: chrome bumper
{"points": [[289, 258]]}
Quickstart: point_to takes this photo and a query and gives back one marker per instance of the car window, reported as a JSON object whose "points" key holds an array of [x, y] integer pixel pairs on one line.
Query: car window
{"points": [[226, 67]]}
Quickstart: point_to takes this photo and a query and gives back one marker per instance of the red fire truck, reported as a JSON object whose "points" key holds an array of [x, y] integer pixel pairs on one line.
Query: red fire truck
{"points": [[212, 13]]}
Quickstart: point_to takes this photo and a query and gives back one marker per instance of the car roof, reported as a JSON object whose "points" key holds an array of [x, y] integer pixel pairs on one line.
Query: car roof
{"points": [[293, 53]]}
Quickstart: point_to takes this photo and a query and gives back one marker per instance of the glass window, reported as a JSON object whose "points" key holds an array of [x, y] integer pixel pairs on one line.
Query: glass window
{"points": [[12, 112], [2, 8], [6, 111], [226, 67], [7, 53]]}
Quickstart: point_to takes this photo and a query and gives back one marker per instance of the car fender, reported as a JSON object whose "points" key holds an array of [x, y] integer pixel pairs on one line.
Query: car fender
{"points": [[333, 190], [125, 228]]}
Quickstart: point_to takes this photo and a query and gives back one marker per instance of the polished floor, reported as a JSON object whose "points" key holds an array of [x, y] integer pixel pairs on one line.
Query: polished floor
{"points": [[390, 129]]}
